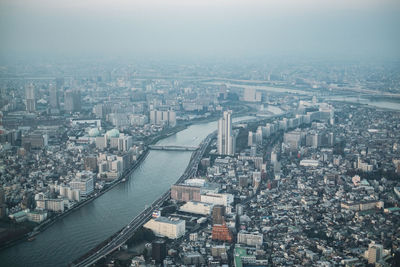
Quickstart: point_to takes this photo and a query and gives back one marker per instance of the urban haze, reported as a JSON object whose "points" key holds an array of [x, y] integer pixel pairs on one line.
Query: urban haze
{"points": [[200, 133]]}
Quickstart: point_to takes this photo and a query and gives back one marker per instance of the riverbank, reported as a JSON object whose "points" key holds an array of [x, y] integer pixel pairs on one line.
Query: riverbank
{"points": [[49, 222], [125, 176], [365, 102]]}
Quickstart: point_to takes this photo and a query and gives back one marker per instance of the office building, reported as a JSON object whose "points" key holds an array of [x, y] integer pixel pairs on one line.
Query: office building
{"points": [[226, 138], [30, 98], [72, 101], [69, 193], [256, 179], [193, 259], [35, 140], [172, 118], [101, 142], [196, 208], [54, 97], [98, 111], [125, 142], [217, 199], [43, 203], [293, 139], [218, 214], [375, 253], [37, 216], [312, 140], [251, 95], [158, 251], [163, 117], [185, 193], [243, 181], [250, 239], [84, 182], [250, 140], [91, 163], [221, 232], [162, 226]]}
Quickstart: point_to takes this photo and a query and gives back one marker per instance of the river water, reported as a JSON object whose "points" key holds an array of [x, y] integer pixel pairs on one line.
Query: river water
{"points": [[88, 226], [376, 103]]}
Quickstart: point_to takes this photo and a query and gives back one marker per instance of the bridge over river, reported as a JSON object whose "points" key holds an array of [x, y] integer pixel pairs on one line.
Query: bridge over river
{"points": [[173, 148]]}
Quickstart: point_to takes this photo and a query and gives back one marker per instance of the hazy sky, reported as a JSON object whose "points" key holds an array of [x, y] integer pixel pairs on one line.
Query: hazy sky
{"points": [[198, 28]]}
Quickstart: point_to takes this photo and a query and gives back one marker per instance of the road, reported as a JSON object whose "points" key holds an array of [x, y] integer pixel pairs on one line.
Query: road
{"points": [[128, 231]]}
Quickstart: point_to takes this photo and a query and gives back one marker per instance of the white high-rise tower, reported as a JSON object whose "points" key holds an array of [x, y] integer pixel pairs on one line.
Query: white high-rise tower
{"points": [[226, 139], [30, 98]]}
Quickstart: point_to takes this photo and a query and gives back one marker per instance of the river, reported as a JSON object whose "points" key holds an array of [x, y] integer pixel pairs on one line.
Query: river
{"points": [[83, 229], [375, 103]]}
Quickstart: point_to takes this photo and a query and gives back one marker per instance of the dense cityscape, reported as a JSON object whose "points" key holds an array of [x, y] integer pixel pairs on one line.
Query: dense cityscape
{"points": [[304, 178], [235, 133]]}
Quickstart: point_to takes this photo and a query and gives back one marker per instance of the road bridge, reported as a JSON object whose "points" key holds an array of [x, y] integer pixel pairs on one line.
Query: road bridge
{"points": [[173, 148]]}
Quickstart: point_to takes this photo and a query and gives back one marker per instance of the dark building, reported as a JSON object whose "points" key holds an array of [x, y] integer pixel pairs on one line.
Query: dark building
{"points": [[35, 140], [27, 201], [243, 181], [339, 146], [218, 214], [159, 251], [12, 137], [91, 163], [2, 196], [54, 97], [3, 206], [327, 139]]}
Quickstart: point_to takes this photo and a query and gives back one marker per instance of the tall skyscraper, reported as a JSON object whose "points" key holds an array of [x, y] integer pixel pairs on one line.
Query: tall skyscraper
{"points": [[54, 96], [30, 98], [226, 139]]}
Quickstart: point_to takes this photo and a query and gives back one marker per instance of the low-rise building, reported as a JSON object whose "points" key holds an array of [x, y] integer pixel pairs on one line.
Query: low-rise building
{"points": [[37, 216], [197, 208], [250, 239], [171, 228], [217, 199]]}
